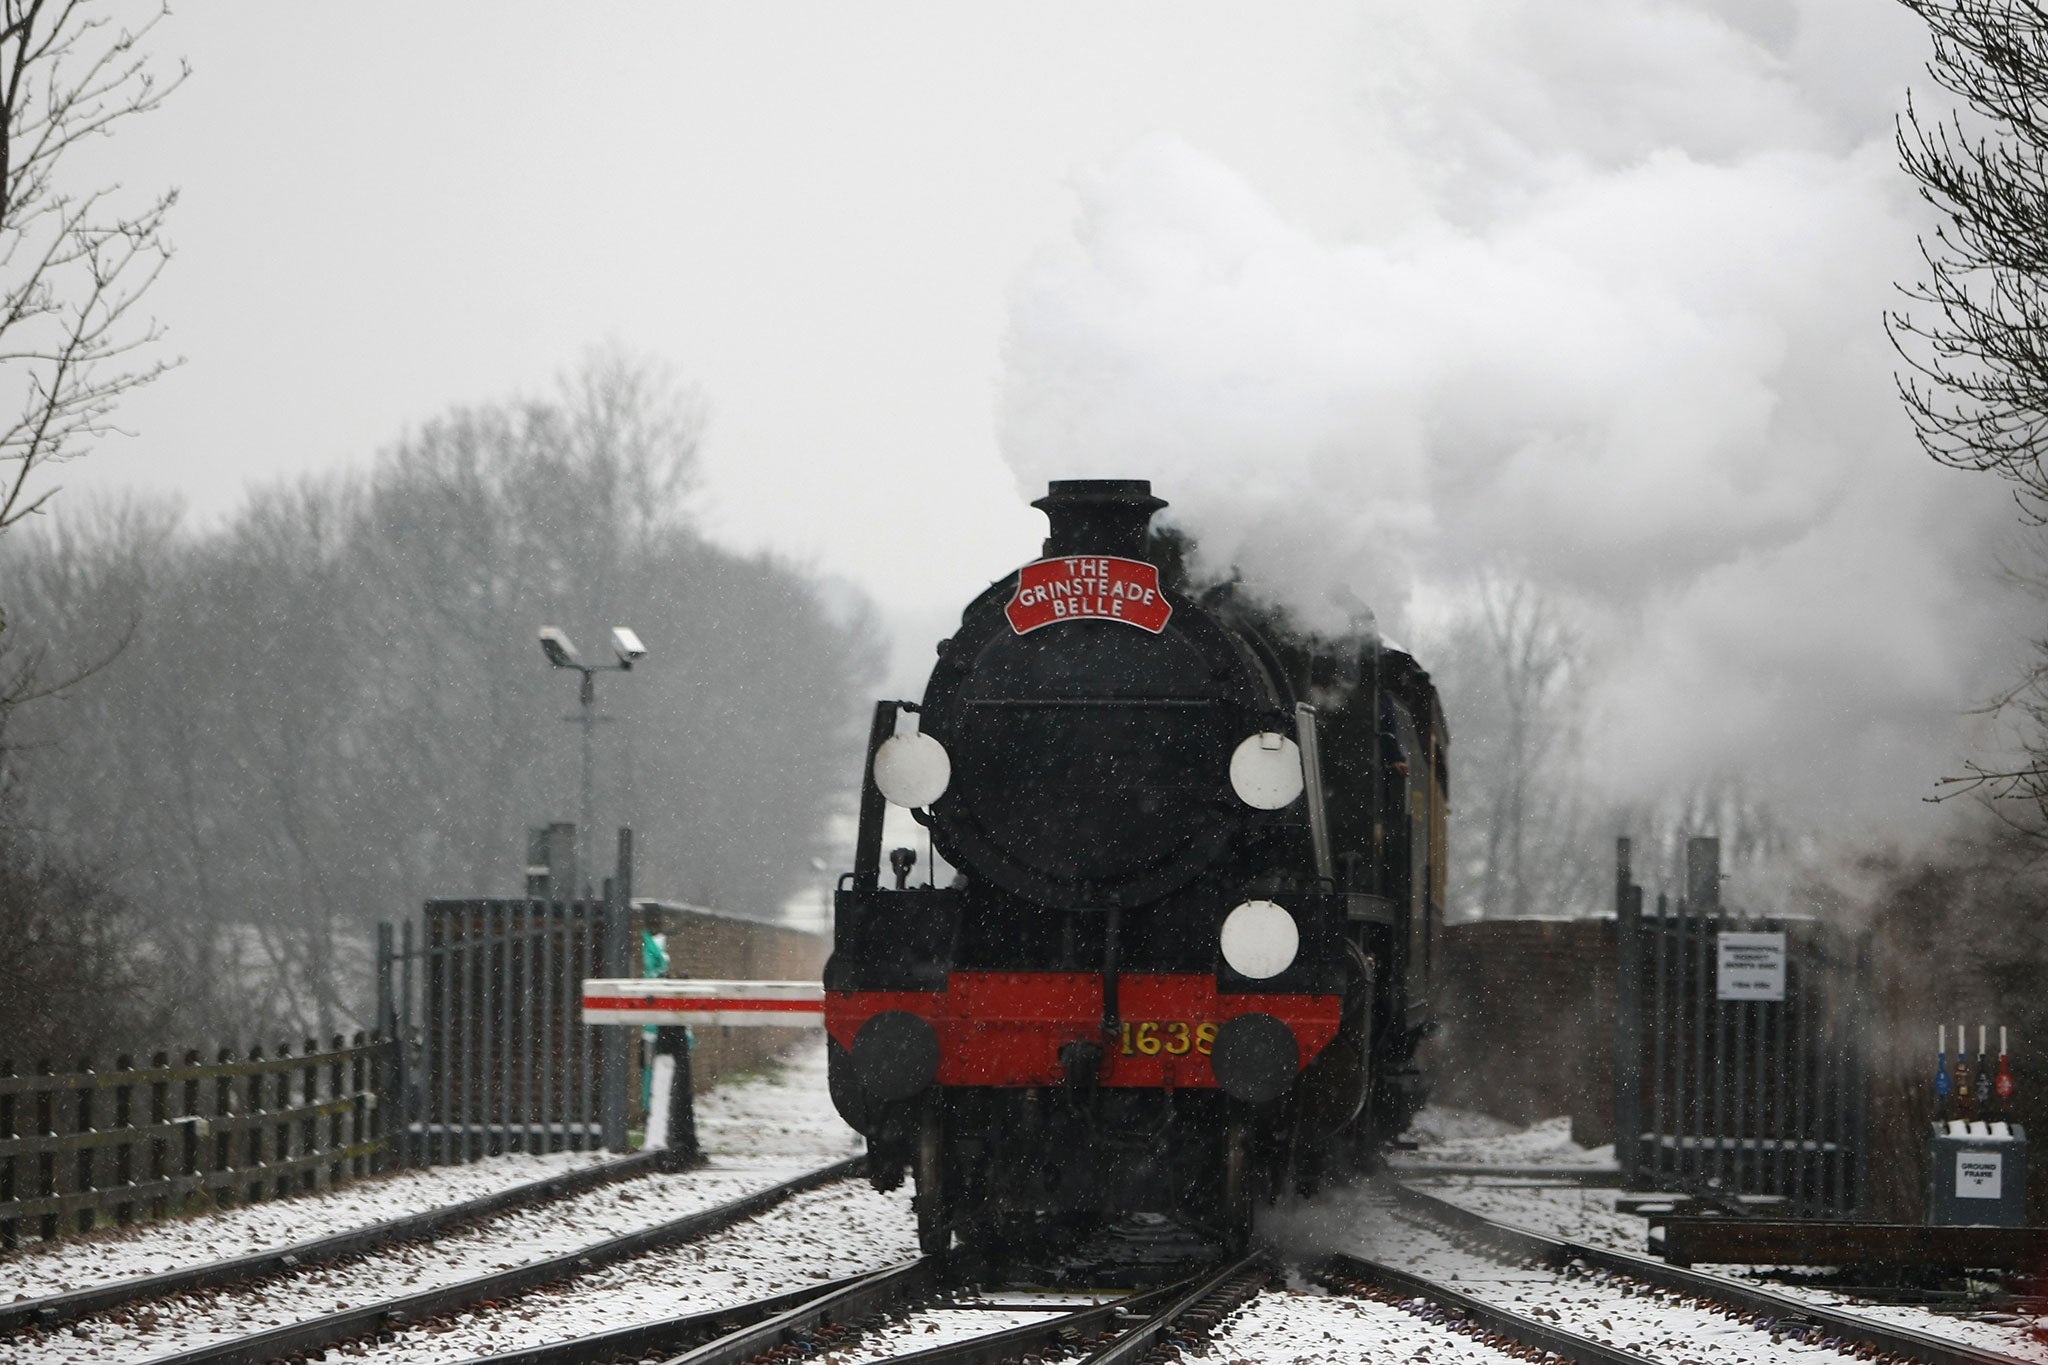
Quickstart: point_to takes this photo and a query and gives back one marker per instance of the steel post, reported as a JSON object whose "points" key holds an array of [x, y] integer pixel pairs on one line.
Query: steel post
{"points": [[613, 1041], [588, 715], [1628, 1019]]}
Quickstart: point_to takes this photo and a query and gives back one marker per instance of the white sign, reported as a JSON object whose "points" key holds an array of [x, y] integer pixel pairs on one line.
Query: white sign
{"points": [[1979, 1175], [1752, 967]]}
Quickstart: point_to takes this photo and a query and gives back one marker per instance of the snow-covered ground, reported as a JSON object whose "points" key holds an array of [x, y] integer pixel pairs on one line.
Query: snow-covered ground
{"points": [[2022, 1338], [1300, 1328], [1465, 1138], [772, 1121], [1660, 1326], [842, 1229], [1577, 1213], [1586, 1214], [923, 1330], [755, 1133], [768, 1127], [58, 1267]]}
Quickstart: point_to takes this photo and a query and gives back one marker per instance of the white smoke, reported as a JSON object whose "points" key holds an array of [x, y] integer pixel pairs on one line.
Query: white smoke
{"points": [[1626, 343]]}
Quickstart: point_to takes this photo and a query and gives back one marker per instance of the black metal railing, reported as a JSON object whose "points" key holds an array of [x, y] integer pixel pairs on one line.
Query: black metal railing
{"points": [[1752, 1087], [487, 998]]}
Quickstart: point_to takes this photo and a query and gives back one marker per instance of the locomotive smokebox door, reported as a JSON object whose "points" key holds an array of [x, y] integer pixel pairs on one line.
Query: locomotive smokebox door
{"points": [[1091, 715]]}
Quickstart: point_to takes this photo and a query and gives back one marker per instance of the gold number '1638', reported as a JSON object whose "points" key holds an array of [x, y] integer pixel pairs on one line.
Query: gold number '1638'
{"points": [[1174, 1037]]}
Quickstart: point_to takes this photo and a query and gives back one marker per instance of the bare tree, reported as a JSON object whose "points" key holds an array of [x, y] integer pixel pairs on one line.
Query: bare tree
{"points": [[1974, 333], [1514, 676], [74, 264], [334, 705]]}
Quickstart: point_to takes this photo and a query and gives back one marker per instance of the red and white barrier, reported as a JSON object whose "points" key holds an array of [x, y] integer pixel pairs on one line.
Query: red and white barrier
{"points": [[656, 1001]]}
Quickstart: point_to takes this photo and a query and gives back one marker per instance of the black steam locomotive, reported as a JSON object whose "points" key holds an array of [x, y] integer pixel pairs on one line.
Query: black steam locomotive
{"points": [[1185, 963]]}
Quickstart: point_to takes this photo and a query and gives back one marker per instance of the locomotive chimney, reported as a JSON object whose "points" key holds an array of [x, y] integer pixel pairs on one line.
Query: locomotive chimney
{"points": [[1098, 516]]}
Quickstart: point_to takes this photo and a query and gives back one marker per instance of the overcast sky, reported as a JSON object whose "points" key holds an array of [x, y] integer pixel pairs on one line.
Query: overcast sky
{"points": [[1378, 295], [815, 213]]}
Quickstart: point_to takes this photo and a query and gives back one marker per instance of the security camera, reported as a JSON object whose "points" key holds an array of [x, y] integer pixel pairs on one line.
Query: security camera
{"points": [[556, 646], [627, 645]]}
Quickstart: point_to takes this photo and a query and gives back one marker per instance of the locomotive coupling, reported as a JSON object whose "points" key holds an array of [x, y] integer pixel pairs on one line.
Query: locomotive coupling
{"points": [[1081, 1065]]}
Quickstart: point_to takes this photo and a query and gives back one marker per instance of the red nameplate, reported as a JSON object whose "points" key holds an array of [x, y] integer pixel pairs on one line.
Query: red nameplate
{"points": [[1088, 588]]}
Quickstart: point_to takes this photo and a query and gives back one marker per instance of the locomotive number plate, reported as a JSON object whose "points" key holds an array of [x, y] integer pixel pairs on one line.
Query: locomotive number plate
{"points": [[1174, 1037]]}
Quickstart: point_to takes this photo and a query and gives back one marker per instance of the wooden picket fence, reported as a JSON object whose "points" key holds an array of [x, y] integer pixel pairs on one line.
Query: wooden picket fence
{"points": [[83, 1148]]}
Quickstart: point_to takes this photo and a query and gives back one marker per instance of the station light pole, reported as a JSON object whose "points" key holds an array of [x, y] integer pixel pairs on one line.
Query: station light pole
{"points": [[628, 649]]}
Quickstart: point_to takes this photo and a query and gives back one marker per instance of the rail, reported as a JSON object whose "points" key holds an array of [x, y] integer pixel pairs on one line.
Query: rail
{"points": [[1557, 1253], [1203, 1304], [57, 1309], [867, 1295], [1345, 1272], [308, 1336]]}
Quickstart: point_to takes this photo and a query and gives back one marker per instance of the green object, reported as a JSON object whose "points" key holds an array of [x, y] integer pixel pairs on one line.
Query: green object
{"points": [[653, 954], [653, 963]]}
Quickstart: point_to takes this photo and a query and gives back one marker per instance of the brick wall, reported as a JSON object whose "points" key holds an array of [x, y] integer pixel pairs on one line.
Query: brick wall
{"points": [[1527, 1022], [705, 943]]}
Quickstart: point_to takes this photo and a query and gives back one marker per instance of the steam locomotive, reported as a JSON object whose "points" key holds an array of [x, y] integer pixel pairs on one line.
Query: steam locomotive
{"points": [[1185, 962]]}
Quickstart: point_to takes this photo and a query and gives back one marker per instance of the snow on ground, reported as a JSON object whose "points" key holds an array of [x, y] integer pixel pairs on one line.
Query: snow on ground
{"points": [[2022, 1338], [57, 1267], [1653, 1324], [1438, 1124], [780, 1116], [1297, 1328], [206, 1317], [1457, 1135], [778, 1119], [924, 1330], [843, 1229], [757, 1131], [764, 1128], [1577, 1213], [1586, 1214]]}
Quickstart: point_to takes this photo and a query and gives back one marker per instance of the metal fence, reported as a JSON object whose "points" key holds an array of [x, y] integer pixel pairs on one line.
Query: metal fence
{"points": [[78, 1148], [1742, 1060], [487, 999]]}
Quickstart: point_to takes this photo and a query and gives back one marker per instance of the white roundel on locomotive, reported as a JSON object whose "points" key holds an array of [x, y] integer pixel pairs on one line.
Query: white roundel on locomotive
{"points": [[1260, 939], [912, 770], [1265, 771]]}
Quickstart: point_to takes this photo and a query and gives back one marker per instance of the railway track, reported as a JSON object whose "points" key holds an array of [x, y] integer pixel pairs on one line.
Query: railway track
{"points": [[666, 1337], [1492, 1325], [389, 1316], [58, 1309], [1782, 1318], [913, 1313], [868, 1321], [863, 1320]]}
